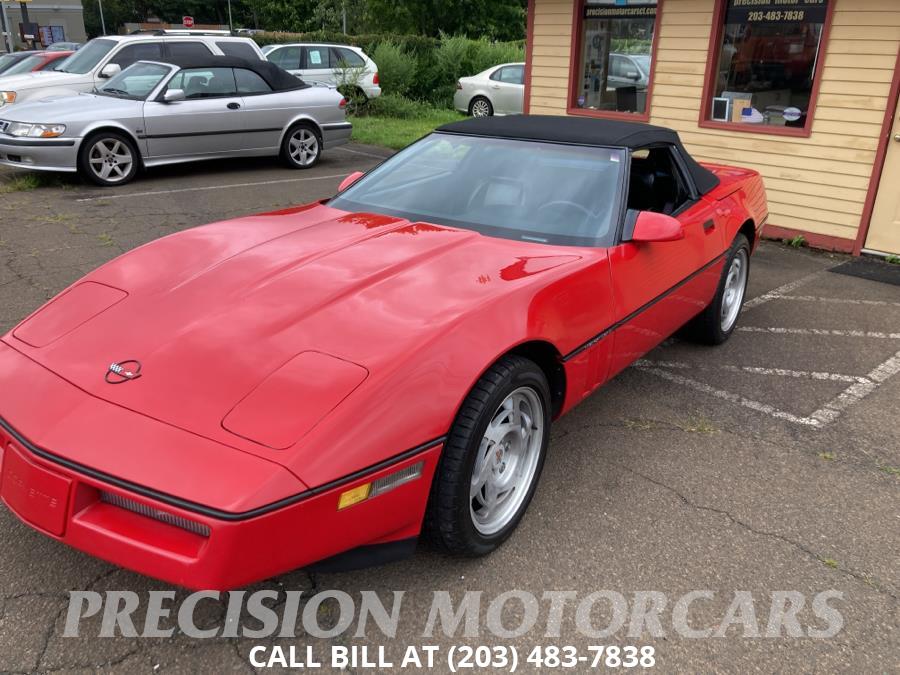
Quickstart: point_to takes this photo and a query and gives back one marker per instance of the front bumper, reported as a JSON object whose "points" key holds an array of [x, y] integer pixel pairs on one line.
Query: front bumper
{"points": [[154, 528], [37, 154]]}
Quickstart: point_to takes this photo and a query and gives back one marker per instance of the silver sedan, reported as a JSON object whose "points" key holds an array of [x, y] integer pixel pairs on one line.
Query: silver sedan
{"points": [[153, 113], [499, 90]]}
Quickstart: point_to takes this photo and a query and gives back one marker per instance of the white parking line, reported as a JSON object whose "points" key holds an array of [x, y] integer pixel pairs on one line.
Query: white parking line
{"points": [[857, 392], [702, 387], [782, 290], [776, 330], [360, 152], [754, 370], [209, 187], [837, 301]]}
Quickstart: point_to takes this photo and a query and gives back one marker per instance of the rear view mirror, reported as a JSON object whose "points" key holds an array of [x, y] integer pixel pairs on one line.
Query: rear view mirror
{"points": [[350, 180], [173, 95], [652, 226], [110, 70]]}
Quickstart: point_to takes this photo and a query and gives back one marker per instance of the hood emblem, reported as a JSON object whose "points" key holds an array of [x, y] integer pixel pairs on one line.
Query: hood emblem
{"points": [[124, 371]]}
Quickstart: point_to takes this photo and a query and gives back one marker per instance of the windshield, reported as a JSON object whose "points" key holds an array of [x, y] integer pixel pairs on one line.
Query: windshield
{"points": [[136, 81], [87, 57], [643, 61], [7, 61], [26, 65], [525, 190]]}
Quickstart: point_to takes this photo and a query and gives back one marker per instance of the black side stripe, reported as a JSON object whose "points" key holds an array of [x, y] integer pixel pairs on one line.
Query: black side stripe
{"points": [[210, 133], [618, 324], [206, 510]]}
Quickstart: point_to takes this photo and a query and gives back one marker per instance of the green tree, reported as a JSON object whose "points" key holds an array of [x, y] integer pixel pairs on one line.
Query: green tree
{"points": [[495, 19]]}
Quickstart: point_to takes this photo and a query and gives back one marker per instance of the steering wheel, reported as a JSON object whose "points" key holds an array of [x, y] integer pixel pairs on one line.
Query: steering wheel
{"points": [[566, 203]]}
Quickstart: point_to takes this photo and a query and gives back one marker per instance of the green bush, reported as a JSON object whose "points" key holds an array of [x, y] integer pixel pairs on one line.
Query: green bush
{"points": [[397, 69], [435, 63], [394, 105]]}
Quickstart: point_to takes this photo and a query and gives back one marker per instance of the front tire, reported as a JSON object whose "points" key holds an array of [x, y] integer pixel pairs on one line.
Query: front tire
{"points": [[302, 146], [492, 460], [480, 107], [717, 322], [108, 158]]}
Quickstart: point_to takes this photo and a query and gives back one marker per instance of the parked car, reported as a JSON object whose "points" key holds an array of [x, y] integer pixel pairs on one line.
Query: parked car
{"points": [[499, 90], [628, 70], [7, 61], [102, 58], [327, 382], [328, 64], [35, 62], [64, 46], [159, 113]]}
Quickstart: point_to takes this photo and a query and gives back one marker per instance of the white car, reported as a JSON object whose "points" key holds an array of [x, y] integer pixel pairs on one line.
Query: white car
{"points": [[327, 64], [499, 90], [103, 58]]}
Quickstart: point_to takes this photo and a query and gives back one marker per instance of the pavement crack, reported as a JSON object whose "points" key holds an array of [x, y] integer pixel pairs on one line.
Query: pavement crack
{"points": [[868, 580]]}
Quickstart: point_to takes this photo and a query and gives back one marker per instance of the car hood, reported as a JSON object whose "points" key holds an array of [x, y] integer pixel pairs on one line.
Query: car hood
{"points": [[304, 304], [41, 78], [71, 109]]}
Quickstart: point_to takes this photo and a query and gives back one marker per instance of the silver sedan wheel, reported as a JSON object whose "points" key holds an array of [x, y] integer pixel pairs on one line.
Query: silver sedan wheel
{"points": [[507, 461], [303, 147], [735, 287], [481, 108], [111, 160]]}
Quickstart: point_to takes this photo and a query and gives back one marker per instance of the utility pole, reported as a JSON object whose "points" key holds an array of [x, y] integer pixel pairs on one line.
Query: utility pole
{"points": [[23, 8], [7, 31], [230, 22], [344, 15], [102, 22]]}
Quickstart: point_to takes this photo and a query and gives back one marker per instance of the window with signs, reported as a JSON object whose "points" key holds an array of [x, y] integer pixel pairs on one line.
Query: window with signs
{"points": [[317, 57], [768, 56], [615, 52]]}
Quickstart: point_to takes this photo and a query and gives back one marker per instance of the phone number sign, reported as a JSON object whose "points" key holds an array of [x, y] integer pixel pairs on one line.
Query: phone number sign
{"points": [[776, 11]]}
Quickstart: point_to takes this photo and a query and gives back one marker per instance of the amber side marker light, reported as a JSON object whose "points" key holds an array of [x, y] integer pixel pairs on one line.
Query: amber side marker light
{"points": [[367, 491]]}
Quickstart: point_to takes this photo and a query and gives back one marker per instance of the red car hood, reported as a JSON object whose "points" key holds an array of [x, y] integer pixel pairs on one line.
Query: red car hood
{"points": [[212, 312]]}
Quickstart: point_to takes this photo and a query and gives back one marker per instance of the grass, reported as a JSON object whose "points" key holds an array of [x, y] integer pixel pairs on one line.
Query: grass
{"points": [[22, 182], [827, 456], [892, 259], [831, 562], [395, 133], [797, 242]]}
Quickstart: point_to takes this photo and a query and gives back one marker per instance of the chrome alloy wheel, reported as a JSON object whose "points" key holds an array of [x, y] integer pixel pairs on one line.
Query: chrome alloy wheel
{"points": [[481, 108], [507, 461], [304, 147], [110, 160], [735, 287]]}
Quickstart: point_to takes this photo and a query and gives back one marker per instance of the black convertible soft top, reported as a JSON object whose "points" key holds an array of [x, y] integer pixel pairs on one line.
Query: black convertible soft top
{"points": [[583, 131], [275, 77]]}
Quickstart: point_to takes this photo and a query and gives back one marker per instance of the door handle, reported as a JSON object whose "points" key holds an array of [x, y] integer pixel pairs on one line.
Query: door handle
{"points": [[709, 225], [495, 86], [234, 106]]}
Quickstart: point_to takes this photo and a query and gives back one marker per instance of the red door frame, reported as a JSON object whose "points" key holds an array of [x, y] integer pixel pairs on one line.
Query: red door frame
{"points": [[529, 54], [880, 156]]}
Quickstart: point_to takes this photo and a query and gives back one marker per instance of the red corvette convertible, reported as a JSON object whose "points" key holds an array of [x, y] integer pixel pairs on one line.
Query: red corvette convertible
{"points": [[321, 385]]}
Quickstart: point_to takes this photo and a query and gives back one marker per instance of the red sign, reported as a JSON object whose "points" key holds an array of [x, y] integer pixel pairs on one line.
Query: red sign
{"points": [[187, 21]]}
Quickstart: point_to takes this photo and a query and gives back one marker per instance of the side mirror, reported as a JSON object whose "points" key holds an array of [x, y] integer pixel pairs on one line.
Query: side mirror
{"points": [[173, 95], [350, 180], [110, 70], [652, 227]]}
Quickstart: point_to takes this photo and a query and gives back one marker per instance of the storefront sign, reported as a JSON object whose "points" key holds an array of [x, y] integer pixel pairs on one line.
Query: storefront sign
{"points": [[644, 11], [776, 11]]}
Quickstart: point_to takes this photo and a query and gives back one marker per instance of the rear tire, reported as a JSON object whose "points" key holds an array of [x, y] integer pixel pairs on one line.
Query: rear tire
{"points": [[302, 146], [108, 158], [717, 322], [492, 460], [480, 107]]}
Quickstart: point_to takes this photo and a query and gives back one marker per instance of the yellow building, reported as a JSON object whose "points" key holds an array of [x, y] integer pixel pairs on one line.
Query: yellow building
{"points": [[804, 91]]}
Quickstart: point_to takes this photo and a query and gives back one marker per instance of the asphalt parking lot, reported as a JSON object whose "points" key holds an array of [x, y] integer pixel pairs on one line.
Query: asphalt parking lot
{"points": [[769, 464]]}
